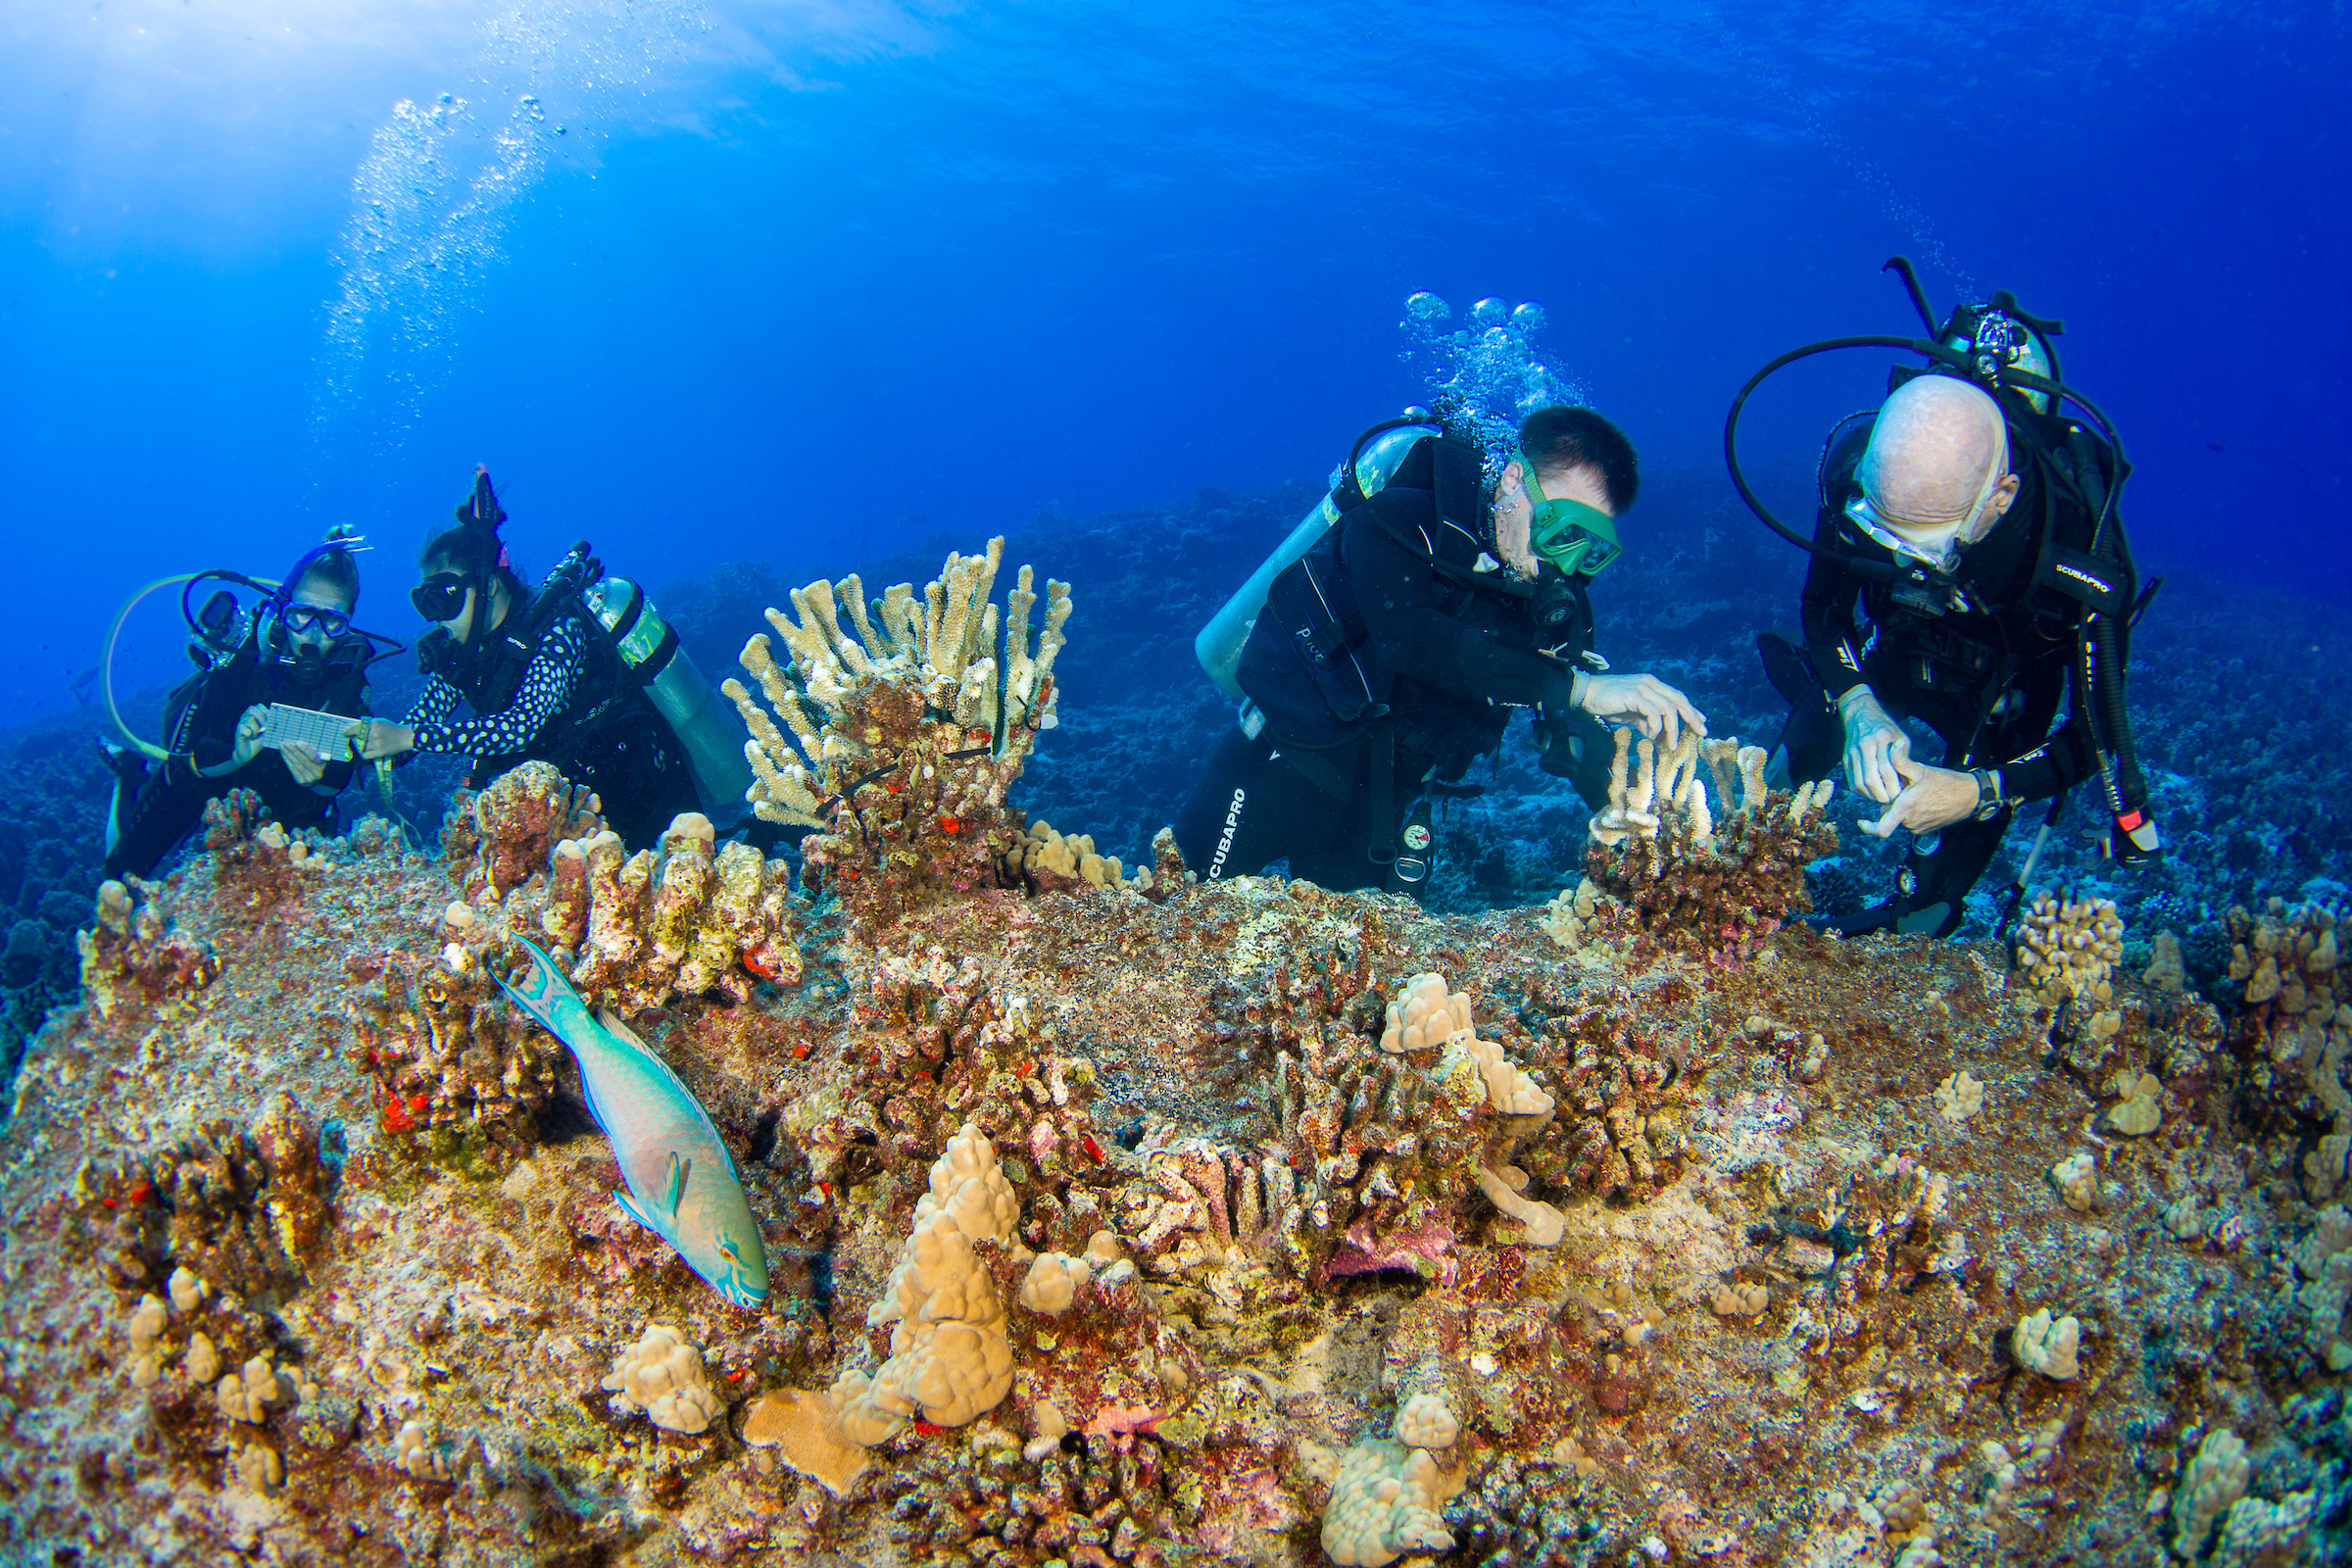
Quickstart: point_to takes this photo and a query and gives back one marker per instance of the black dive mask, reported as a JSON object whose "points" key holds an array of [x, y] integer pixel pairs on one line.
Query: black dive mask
{"points": [[442, 596]]}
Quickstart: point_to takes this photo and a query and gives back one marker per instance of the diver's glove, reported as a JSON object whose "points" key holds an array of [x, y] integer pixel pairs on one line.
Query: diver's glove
{"points": [[1876, 746], [1645, 702], [2132, 840]]}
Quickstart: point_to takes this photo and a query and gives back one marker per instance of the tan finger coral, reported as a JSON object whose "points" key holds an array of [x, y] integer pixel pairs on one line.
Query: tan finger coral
{"points": [[1386, 1502]]}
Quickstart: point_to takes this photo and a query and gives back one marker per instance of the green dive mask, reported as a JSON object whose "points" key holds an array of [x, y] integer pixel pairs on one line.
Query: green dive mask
{"points": [[1570, 534]]}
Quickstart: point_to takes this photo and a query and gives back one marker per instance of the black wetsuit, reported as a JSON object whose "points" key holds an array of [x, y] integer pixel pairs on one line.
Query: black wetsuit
{"points": [[547, 685], [1985, 657], [200, 730], [1390, 656]]}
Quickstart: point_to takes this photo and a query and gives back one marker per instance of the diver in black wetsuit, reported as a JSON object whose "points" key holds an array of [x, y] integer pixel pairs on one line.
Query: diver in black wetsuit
{"points": [[1393, 652], [301, 650], [1991, 513], [542, 677]]}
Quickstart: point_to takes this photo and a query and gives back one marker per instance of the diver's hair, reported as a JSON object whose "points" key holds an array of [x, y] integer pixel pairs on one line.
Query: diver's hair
{"points": [[473, 548], [338, 569], [1560, 439]]}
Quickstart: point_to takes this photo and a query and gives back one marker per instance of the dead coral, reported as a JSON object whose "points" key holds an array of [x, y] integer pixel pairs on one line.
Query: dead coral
{"points": [[936, 1046], [1104, 1498], [2292, 1035], [131, 954], [240, 1208], [499, 839], [1689, 874], [904, 737], [256, 863], [449, 1057]]}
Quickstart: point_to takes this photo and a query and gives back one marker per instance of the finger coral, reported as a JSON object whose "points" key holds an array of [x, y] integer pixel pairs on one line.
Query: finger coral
{"points": [[898, 743], [1683, 873]]}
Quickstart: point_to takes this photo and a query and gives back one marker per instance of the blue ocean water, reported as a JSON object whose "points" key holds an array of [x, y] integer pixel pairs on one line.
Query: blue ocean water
{"points": [[707, 282]]}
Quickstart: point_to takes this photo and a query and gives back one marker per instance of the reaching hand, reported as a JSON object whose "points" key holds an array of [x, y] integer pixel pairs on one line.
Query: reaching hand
{"points": [[1876, 746], [383, 738], [1931, 799], [248, 746], [1645, 702]]}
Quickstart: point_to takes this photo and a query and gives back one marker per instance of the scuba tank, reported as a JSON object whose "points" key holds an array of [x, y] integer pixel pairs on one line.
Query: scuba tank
{"points": [[1378, 454], [650, 651]]}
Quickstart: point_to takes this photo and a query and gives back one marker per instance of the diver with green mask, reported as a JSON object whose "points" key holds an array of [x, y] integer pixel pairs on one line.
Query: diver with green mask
{"points": [[1393, 652]]}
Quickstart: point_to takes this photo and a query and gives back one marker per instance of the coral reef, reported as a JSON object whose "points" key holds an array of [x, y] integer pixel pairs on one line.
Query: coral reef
{"points": [[1235, 1222]]}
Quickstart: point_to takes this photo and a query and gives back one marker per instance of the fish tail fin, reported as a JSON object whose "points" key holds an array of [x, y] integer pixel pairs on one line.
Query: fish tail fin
{"points": [[542, 987]]}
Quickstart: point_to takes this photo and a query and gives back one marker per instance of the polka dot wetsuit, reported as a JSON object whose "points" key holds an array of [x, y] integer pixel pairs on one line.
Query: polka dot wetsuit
{"points": [[548, 682]]}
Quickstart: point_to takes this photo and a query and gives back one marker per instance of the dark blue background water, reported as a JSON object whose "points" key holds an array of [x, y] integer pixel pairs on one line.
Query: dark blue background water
{"points": [[806, 282]]}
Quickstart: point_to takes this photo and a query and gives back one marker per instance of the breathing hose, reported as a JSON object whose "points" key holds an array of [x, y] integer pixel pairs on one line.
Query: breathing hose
{"points": [[106, 664]]}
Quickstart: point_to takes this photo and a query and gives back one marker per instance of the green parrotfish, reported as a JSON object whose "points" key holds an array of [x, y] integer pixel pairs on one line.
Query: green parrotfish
{"points": [[681, 1180]]}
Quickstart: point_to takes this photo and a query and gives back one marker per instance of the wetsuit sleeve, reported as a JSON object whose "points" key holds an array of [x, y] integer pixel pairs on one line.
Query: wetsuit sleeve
{"points": [[1830, 604], [1402, 603], [439, 700], [547, 685]]}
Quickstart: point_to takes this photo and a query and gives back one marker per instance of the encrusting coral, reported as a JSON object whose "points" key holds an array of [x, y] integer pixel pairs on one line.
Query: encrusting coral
{"points": [[898, 743], [950, 1359]]}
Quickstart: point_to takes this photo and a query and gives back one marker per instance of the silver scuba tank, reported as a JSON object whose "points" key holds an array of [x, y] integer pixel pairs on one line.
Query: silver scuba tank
{"points": [[713, 740], [1219, 645]]}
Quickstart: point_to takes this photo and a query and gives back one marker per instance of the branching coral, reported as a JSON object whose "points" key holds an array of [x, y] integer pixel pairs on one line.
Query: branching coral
{"points": [[687, 916], [1384, 1140], [1689, 873], [898, 743], [2067, 951], [2294, 1034], [235, 1206], [936, 1047]]}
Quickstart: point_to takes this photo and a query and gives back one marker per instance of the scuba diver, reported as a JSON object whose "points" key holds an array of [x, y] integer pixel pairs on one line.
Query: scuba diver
{"points": [[299, 649], [580, 672], [1403, 625], [1969, 571]]}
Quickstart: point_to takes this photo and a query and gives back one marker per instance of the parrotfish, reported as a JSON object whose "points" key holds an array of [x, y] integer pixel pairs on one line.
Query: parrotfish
{"points": [[681, 1180]]}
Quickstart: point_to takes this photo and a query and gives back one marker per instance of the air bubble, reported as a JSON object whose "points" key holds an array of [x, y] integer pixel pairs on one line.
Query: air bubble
{"points": [[1489, 313], [1529, 318], [1427, 307]]}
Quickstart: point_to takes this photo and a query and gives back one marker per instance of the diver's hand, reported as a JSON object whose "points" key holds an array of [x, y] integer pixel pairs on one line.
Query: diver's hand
{"points": [[1931, 799], [1876, 746], [307, 765], [250, 730], [1645, 702], [383, 738]]}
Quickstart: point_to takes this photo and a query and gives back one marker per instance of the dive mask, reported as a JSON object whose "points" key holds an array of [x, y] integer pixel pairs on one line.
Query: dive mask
{"points": [[442, 596], [1571, 535], [330, 624]]}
